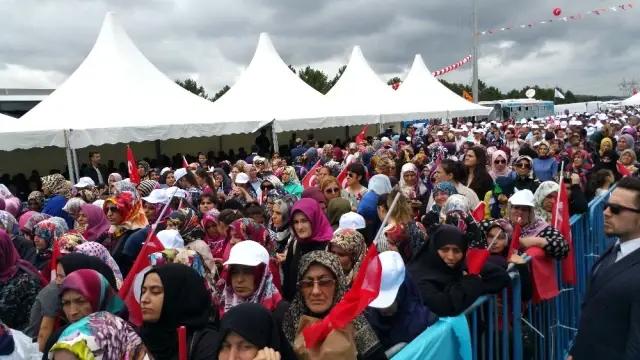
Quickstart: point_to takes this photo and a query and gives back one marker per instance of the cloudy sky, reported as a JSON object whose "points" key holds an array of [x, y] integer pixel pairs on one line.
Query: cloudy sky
{"points": [[42, 42]]}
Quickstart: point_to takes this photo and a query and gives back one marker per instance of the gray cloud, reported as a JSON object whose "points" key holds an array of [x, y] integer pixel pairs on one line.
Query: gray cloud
{"points": [[213, 40]]}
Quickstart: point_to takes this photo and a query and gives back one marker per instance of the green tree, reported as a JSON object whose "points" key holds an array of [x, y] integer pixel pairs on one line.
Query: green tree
{"points": [[317, 79], [219, 94], [192, 86], [292, 68], [337, 77], [393, 80]]}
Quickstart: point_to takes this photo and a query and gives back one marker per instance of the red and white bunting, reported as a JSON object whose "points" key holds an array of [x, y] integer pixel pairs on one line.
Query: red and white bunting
{"points": [[442, 71]]}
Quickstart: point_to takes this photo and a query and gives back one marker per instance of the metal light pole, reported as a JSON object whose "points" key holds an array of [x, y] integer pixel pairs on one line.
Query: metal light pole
{"points": [[475, 52]]}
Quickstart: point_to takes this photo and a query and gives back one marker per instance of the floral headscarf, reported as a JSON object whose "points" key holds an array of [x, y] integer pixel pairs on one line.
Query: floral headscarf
{"points": [[126, 186], [293, 177], [131, 212], [191, 259], [36, 196], [69, 241], [87, 195], [366, 340], [91, 248], [31, 221], [455, 202], [100, 336], [546, 188], [327, 152], [445, 187], [187, 224], [73, 206], [210, 217], [467, 224], [50, 230], [56, 184], [8, 222], [251, 230], [353, 243]]}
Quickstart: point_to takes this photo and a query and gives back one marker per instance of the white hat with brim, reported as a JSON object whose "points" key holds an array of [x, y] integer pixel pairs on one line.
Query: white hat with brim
{"points": [[393, 275]]}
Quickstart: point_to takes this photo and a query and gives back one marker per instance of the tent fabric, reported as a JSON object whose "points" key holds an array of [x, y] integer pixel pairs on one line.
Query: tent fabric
{"points": [[116, 95], [421, 90], [631, 101]]}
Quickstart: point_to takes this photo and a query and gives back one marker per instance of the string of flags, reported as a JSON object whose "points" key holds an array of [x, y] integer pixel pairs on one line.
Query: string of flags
{"points": [[579, 16], [442, 71]]}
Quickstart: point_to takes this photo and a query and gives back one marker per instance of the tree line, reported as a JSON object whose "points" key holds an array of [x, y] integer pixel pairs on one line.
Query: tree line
{"points": [[323, 82]]}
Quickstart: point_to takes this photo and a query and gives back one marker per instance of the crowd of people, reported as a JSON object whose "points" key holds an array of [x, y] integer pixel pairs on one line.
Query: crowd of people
{"points": [[257, 249]]}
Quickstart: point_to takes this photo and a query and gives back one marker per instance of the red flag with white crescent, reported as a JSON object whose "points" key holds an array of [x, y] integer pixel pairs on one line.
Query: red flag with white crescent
{"points": [[310, 179], [560, 220], [134, 177], [342, 178]]}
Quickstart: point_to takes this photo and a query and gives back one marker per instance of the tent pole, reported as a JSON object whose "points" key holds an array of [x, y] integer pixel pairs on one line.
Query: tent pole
{"points": [[75, 163], [274, 139], [69, 158]]}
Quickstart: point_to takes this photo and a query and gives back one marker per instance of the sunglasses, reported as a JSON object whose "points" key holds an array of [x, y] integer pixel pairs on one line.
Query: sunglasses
{"points": [[617, 208], [523, 166], [267, 187], [498, 161], [351, 175], [332, 190], [113, 209], [308, 284]]}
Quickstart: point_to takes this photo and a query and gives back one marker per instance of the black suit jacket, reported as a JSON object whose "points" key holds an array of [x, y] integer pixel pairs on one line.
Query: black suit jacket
{"points": [[91, 172], [610, 320]]}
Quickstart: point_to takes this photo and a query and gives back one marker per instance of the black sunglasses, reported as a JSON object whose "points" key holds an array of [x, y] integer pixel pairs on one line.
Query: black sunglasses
{"points": [[267, 187], [617, 208], [498, 161]]}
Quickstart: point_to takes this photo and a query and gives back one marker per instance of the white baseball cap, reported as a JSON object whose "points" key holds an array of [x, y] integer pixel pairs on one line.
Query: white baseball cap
{"points": [[171, 239], [180, 173], [352, 220], [157, 196], [165, 170], [242, 178], [248, 253], [174, 191], [85, 182], [522, 198], [393, 274]]}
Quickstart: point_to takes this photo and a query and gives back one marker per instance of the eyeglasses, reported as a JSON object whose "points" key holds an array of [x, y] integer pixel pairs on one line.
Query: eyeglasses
{"points": [[617, 208], [113, 209], [332, 190], [498, 161], [523, 166], [308, 284]]}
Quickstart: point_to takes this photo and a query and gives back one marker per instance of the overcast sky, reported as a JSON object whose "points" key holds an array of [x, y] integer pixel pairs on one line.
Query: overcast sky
{"points": [[212, 41]]}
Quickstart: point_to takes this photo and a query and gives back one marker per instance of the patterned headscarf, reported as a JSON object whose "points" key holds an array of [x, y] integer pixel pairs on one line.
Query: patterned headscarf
{"points": [[210, 217], [545, 188], [95, 288], [38, 196], [56, 184], [251, 230], [126, 186], [445, 187], [147, 186], [365, 337], [69, 241], [73, 206], [49, 230], [131, 212], [353, 243], [91, 248], [31, 221], [100, 336], [8, 222], [293, 177], [187, 224]]}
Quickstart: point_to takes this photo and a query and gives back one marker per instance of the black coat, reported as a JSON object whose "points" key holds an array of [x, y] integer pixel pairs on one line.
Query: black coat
{"points": [[91, 172], [609, 326]]}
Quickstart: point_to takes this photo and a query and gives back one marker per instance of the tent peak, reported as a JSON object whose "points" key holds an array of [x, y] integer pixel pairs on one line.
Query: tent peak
{"points": [[265, 45]]}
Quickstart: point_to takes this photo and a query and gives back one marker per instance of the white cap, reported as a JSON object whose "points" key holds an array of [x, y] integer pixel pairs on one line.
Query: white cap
{"points": [[248, 253], [602, 117], [157, 196], [99, 203], [352, 220], [174, 191], [164, 170], [171, 239], [85, 182], [522, 198], [242, 178], [180, 173], [393, 273]]}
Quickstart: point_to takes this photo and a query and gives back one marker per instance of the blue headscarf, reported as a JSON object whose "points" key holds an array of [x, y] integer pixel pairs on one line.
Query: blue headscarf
{"points": [[443, 186]]}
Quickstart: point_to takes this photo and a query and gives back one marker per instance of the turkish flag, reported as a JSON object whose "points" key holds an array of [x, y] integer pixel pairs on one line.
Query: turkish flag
{"points": [[134, 177], [543, 275], [478, 212], [365, 288], [515, 241], [342, 178], [360, 138], [185, 164], [310, 179], [622, 169], [135, 276], [560, 220], [476, 259]]}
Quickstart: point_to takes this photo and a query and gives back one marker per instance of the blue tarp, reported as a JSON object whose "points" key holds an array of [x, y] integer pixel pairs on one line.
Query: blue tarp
{"points": [[449, 339]]}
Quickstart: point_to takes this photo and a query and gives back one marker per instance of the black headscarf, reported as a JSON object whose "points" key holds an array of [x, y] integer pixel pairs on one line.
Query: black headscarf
{"points": [[186, 303], [256, 325], [77, 261], [429, 266]]}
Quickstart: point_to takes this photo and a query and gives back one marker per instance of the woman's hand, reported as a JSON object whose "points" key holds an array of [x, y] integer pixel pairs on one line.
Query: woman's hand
{"points": [[280, 258], [516, 259], [533, 241], [267, 354]]}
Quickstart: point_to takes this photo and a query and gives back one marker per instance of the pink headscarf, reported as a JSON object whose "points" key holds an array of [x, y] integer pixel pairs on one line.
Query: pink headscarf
{"points": [[495, 174], [97, 223], [321, 230], [10, 259], [12, 206]]}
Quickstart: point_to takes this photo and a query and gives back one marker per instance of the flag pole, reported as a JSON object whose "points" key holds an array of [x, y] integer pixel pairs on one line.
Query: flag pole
{"points": [[561, 183]]}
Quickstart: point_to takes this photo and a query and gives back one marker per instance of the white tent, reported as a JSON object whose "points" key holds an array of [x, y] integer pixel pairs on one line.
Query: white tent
{"points": [[117, 95], [269, 90], [632, 101], [5, 118], [421, 92]]}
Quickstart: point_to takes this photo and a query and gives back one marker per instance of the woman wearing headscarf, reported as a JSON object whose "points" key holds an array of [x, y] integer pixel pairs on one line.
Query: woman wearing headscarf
{"points": [[441, 193], [35, 201], [337, 207], [28, 220], [608, 160], [499, 165], [440, 272], [100, 335], [350, 248], [368, 207], [56, 188], [317, 195], [26, 249], [291, 182], [250, 329], [322, 267], [401, 233], [412, 187], [20, 283], [72, 207], [124, 213], [223, 181], [187, 223], [281, 220], [606, 144], [400, 317], [113, 178], [544, 198], [497, 199], [165, 308], [97, 227], [209, 224], [44, 235], [312, 232], [545, 165]]}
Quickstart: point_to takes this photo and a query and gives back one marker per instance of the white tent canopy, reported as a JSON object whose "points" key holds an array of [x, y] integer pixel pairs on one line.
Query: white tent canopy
{"points": [[117, 95], [5, 118], [421, 92], [632, 101]]}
